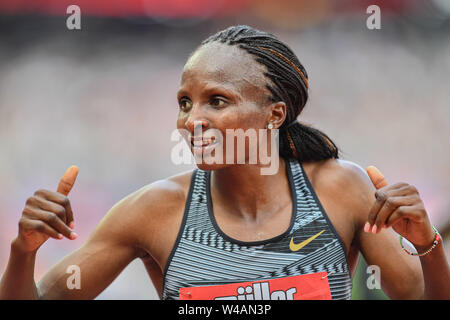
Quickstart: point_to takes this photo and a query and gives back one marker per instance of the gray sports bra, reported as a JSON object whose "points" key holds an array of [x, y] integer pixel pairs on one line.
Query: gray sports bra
{"points": [[204, 257]]}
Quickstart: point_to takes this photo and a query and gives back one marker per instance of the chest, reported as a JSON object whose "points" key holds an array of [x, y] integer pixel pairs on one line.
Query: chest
{"points": [[206, 256], [299, 240]]}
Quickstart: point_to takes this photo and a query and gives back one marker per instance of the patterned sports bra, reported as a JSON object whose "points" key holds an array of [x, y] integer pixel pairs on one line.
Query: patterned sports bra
{"points": [[307, 261]]}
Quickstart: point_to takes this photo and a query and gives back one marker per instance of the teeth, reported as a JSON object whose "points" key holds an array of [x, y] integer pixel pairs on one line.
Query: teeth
{"points": [[202, 143]]}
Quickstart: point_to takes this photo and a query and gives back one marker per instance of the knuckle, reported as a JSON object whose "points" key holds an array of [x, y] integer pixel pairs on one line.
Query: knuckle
{"points": [[39, 192], [22, 223], [40, 226], [60, 211], [390, 203], [30, 201], [27, 210], [51, 217], [413, 189], [401, 185], [422, 211], [381, 195], [65, 201]]}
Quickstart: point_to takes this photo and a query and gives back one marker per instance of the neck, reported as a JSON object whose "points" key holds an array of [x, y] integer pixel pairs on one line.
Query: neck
{"points": [[245, 193]]}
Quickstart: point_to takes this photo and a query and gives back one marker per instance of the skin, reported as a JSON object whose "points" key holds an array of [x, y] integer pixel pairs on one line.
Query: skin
{"points": [[145, 224]]}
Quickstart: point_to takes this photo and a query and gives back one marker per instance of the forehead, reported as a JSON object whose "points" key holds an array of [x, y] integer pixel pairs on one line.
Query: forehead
{"points": [[227, 65]]}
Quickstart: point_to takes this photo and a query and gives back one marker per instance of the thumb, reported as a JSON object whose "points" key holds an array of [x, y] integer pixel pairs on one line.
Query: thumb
{"points": [[376, 176], [67, 181]]}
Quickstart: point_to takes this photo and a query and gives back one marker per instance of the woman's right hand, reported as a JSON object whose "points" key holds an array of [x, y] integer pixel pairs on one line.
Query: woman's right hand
{"points": [[47, 214]]}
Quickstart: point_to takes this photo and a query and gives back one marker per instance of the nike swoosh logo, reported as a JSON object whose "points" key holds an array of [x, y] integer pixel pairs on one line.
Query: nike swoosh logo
{"points": [[298, 246]]}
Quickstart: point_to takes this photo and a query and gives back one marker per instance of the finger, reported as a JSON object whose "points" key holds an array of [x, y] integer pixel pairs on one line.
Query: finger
{"points": [[51, 219], [67, 181], [380, 199], [381, 195], [400, 213], [59, 199], [389, 207], [376, 177], [69, 215], [39, 226], [396, 190], [50, 206]]}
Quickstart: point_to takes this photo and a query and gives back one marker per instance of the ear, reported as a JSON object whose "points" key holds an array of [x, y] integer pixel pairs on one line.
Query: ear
{"points": [[277, 114]]}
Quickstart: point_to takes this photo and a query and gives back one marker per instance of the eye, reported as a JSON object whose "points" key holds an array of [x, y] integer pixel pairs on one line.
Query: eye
{"points": [[185, 103], [218, 101]]}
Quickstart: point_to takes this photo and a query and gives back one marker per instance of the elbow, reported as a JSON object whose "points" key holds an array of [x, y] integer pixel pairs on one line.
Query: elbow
{"points": [[411, 287]]}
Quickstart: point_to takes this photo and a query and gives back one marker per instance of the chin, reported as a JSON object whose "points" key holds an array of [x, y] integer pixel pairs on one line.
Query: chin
{"points": [[210, 167], [205, 159]]}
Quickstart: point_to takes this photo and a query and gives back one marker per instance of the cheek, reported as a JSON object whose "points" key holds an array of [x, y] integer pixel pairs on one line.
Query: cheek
{"points": [[245, 118]]}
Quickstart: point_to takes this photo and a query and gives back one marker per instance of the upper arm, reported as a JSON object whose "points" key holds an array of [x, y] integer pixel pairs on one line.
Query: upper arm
{"points": [[401, 274], [111, 247]]}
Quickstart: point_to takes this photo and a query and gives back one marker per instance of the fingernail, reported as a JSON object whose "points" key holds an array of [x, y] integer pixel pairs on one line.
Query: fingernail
{"points": [[367, 227], [73, 235], [60, 236], [374, 229], [71, 225]]}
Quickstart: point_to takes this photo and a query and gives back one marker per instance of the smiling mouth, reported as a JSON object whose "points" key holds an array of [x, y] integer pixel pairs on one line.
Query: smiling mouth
{"points": [[202, 143]]}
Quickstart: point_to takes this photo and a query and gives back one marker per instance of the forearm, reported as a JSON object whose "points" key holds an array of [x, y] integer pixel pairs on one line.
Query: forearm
{"points": [[18, 280], [436, 273]]}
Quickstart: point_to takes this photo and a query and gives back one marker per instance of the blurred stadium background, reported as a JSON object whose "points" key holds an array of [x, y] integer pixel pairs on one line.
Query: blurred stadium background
{"points": [[104, 98]]}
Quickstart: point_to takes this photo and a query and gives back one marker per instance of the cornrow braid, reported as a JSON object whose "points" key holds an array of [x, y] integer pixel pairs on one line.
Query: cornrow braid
{"points": [[305, 80], [288, 82]]}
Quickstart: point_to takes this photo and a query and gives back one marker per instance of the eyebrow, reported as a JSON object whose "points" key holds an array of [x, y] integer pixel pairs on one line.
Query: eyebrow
{"points": [[209, 90], [181, 93]]}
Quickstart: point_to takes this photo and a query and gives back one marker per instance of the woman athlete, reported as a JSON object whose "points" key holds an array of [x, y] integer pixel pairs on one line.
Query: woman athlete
{"points": [[225, 231]]}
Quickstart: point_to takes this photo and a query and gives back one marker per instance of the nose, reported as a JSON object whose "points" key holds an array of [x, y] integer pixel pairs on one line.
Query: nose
{"points": [[196, 120]]}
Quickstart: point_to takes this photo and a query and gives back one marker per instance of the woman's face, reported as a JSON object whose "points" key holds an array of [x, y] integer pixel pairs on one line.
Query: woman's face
{"points": [[222, 87]]}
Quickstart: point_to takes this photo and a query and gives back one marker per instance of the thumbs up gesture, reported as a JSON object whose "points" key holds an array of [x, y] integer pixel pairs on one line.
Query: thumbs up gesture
{"points": [[48, 214], [399, 206]]}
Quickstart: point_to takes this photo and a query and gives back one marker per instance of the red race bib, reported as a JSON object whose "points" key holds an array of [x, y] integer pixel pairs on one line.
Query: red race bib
{"points": [[313, 286]]}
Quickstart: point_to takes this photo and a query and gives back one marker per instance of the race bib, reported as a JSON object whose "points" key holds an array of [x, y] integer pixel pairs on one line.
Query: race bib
{"points": [[313, 286]]}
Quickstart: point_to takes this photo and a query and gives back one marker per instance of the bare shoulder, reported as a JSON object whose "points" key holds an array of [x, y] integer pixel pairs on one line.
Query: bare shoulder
{"points": [[344, 185], [159, 201], [161, 195], [339, 172], [144, 214]]}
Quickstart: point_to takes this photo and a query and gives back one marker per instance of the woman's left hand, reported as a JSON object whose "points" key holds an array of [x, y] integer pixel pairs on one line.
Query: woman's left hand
{"points": [[399, 206]]}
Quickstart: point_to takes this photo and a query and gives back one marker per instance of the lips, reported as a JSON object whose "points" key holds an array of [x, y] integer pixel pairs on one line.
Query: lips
{"points": [[202, 142]]}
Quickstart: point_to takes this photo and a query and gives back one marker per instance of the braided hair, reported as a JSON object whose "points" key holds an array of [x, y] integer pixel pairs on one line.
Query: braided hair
{"points": [[288, 83]]}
